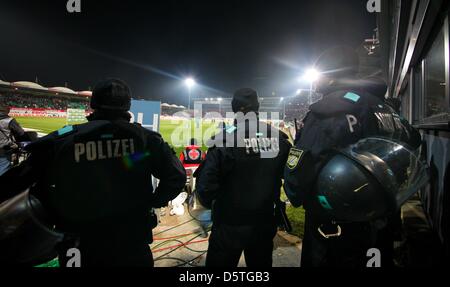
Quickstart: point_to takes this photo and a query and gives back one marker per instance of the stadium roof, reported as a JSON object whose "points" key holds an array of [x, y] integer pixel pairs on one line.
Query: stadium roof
{"points": [[85, 93], [29, 85], [62, 90], [36, 86], [172, 106]]}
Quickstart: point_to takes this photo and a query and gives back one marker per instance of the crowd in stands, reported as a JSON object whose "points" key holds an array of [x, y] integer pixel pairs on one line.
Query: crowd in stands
{"points": [[298, 107], [296, 111], [42, 102], [169, 111]]}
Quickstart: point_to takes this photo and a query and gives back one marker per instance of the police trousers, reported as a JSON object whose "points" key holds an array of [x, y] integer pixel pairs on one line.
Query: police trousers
{"points": [[227, 243]]}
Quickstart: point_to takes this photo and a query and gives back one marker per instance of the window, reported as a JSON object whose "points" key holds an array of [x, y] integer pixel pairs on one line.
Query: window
{"points": [[436, 102], [417, 93], [405, 100]]}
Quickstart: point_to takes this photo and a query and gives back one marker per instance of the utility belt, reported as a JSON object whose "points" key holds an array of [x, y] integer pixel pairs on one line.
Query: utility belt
{"points": [[277, 216], [233, 217]]}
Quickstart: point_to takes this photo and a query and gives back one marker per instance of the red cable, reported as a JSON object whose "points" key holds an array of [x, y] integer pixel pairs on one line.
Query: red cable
{"points": [[179, 245], [173, 237]]}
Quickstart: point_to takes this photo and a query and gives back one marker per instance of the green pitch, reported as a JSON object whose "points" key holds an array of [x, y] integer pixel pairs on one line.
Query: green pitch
{"points": [[167, 128], [44, 125]]}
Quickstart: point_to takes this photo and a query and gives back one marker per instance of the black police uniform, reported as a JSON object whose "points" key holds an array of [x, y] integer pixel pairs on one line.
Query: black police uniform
{"points": [[95, 179], [344, 116], [242, 187]]}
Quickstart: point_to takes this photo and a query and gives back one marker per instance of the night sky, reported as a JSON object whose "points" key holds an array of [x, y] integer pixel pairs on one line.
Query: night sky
{"points": [[153, 45]]}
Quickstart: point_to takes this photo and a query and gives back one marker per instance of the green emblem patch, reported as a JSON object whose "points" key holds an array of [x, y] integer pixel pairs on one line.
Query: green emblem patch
{"points": [[294, 157], [65, 130], [324, 202], [352, 97], [230, 129]]}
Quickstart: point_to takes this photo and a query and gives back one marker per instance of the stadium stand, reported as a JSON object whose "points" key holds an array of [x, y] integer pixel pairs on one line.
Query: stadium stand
{"points": [[29, 101], [288, 108], [29, 95], [170, 110]]}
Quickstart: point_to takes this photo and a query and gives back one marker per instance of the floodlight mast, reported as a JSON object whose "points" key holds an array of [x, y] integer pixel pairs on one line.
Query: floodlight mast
{"points": [[190, 83]]}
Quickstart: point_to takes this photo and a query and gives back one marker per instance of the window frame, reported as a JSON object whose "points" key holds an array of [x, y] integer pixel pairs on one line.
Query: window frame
{"points": [[437, 119]]}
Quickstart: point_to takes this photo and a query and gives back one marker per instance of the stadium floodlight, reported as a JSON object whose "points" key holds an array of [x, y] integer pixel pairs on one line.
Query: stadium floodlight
{"points": [[311, 75], [281, 99], [219, 99], [190, 83]]}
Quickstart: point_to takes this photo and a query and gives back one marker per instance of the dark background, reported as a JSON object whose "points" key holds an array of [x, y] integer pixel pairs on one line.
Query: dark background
{"points": [[154, 45]]}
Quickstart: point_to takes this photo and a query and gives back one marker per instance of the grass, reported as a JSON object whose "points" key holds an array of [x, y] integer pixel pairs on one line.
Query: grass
{"points": [[44, 125], [167, 129], [296, 216]]}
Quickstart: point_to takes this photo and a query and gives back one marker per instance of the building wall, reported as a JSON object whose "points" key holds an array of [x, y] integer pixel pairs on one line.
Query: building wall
{"points": [[417, 70]]}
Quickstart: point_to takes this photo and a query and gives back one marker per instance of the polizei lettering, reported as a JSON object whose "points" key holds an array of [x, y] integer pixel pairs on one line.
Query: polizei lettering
{"points": [[257, 145], [103, 149]]}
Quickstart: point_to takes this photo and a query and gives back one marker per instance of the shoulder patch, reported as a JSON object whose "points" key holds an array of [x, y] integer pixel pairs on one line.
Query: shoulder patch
{"points": [[324, 202], [352, 97], [230, 129], [107, 136], [65, 130], [294, 158]]}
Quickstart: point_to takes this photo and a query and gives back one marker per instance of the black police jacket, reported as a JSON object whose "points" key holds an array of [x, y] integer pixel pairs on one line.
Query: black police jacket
{"points": [[241, 180], [97, 177], [342, 117]]}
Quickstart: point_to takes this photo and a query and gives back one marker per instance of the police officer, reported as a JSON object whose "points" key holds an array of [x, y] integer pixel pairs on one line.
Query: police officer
{"points": [[347, 113], [241, 180], [10, 132], [95, 179]]}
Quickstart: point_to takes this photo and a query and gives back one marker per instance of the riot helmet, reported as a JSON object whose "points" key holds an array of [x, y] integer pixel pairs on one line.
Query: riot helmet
{"points": [[369, 180], [27, 236]]}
